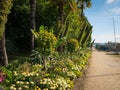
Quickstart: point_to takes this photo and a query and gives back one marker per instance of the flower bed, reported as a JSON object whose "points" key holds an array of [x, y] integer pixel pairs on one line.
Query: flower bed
{"points": [[58, 76]]}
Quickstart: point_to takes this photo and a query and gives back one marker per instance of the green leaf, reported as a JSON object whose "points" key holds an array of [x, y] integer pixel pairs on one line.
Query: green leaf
{"points": [[61, 41], [34, 33], [42, 28], [8, 73], [7, 80], [18, 77]]}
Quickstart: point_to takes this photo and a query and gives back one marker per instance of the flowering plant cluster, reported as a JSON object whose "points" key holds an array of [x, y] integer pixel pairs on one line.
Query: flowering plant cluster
{"points": [[59, 75]]}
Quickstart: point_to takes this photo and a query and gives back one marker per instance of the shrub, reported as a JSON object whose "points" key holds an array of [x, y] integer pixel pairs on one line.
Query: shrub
{"points": [[46, 41], [72, 45]]}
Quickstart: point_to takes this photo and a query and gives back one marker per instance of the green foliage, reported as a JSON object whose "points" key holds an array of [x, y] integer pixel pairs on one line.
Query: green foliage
{"points": [[36, 58], [47, 14], [13, 65], [72, 45], [60, 41], [19, 19], [86, 37], [10, 47], [44, 15], [21, 78], [5, 6], [74, 24], [46, 41]]}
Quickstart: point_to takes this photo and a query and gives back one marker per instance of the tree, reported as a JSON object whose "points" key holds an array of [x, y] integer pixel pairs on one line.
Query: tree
{"points": [[64, 7], [82, 4], [33, 25], [5, 7], [85, 33]]}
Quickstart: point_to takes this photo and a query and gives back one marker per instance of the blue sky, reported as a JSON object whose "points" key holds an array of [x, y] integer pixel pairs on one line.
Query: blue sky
{"points": [[101, 16]]}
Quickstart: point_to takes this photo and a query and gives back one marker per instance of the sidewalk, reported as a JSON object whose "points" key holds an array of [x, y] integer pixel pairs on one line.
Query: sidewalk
{"points": [[103, 72]]}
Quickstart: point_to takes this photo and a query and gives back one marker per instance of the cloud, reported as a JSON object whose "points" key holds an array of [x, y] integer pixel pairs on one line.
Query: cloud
{"points": [[115, 10], [110, 1]]}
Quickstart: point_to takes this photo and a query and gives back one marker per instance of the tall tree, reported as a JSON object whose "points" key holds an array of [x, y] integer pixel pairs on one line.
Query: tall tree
{"points": [[62, 4], [33, 25], [5, 7], [82, 4]]}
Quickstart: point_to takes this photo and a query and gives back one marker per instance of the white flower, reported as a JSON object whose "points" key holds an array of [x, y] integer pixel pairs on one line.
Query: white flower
{"points": [[17, 82], [25, 74], [44, 81], [37, 74], [20, 88], [11, 87], [31, 74], [26, 82], [14, 89], [45, 89], [21, 82], [15, 73], [25, 86], [53, 88], [31, 82]]}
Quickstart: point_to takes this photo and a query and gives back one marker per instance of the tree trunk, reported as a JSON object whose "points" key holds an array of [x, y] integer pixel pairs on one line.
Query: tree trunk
{"points": [[3, 54], [82, 8], [86, 37], [5, 7], [80, 37], [32, 20]]}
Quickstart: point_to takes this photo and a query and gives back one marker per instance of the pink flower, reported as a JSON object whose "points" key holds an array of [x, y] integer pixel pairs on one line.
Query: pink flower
{"points": [[1, 79], [2, 76]]}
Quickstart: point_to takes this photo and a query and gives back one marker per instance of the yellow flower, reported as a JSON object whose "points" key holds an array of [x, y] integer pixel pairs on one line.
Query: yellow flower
{"points": [[37, 88]]}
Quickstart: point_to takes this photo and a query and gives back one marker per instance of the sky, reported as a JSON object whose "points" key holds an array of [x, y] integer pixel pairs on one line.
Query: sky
{"points": [[101, 16]]}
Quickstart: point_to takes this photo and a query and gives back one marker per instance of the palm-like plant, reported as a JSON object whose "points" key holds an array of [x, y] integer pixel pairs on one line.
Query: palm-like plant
{"points": [[64, 7], [82, 4]]}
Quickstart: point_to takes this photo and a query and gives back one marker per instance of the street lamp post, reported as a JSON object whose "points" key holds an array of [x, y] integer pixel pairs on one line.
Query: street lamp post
{"points": [[114, 31]]}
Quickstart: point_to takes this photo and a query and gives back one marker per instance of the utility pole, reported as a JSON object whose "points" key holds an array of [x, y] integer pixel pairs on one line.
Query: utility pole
{"points": [[114, 31]]}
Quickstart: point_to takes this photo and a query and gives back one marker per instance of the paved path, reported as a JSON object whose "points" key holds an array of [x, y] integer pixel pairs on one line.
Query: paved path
{"points": [[103, 73]]}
